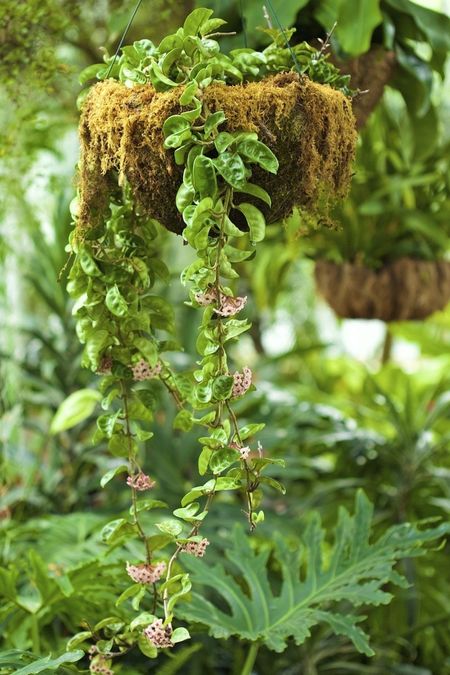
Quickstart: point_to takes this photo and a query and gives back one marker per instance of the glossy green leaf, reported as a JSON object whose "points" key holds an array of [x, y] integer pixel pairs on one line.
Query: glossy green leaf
{"points": [[195, 20], [115, 302], [255, 221], [258, 153]]}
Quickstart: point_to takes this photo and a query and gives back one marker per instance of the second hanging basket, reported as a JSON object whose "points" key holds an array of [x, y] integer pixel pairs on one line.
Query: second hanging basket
{"points": [[405, 289]]}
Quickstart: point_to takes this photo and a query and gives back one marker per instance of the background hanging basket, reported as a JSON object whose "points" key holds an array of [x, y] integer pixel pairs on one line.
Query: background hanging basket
{"points": [[369, 73], [402, 290], [310, 127]]}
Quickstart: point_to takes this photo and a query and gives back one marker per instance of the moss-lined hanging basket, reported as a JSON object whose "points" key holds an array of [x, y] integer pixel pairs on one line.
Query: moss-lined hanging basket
{"points": [[309, 126], [406, 289]]}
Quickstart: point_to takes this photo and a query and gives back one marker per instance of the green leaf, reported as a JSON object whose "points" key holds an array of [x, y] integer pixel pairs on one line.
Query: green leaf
{"points": [[148, 505], [356, 572], [255, 221], [116, 530], [183, 421], [109, 475], [222, 459], [356, 23], [79, 638], [195, 20], [115, 302], [434, 25], [259, 153], [204, 177], [49, 663], [188, 94], [77, 407], [232, 168], [256, 191], [171, 527], [179, 635], [213, 122]]}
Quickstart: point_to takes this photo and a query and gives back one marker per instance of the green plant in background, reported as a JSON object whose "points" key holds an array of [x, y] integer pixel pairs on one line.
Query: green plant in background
{"points": [[399, 204]]}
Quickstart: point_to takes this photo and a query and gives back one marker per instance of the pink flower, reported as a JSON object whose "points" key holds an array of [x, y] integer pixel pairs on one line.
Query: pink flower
{"points": [[206, 298], [143, 371], [230, 306], [227, 304], [195, 548], [140, 481], [100, 665], [158, 635], [244, 451], [241, 381], [145, 573]]}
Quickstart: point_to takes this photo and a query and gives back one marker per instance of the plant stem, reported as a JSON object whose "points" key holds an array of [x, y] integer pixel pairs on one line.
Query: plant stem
{"points": [[132, 462], [35, 634], [387, 346], [251, 658]]}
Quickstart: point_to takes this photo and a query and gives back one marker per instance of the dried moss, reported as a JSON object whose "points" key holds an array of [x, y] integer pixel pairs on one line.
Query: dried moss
{"points": [[310, 127], [403, 290]]}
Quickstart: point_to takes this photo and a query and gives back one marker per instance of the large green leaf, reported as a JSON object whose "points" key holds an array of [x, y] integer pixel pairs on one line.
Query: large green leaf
{"points": [[434, 25], [74, 409], [48, 663], [356, 22], [356, 571]]}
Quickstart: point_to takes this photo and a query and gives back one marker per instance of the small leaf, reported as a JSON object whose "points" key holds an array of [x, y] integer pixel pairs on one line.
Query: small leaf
{"points": [[171, 527], [195, 20], [109, 475], [255, 220], [115, 302], [179, 635]]}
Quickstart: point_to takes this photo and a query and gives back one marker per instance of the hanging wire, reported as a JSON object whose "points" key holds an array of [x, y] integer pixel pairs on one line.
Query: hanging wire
{"points": [[244, 22], [286, 39], [135, 11]]}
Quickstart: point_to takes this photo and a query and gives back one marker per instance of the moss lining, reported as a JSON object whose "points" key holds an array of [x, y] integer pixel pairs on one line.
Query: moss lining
{"points": [[310, 127], [406, 289]]}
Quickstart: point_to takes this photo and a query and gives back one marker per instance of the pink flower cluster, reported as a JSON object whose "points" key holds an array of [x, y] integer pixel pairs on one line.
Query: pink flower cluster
{"points": [[99, 665], [143, 371], [195, 548], [228, 305], [158, 635], [241, 381], [145, 573], [140, 481]]}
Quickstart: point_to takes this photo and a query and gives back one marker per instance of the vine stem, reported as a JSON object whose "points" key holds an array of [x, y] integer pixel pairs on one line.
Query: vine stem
{"points": [[251, 658], [175, 555], [132, 462]]}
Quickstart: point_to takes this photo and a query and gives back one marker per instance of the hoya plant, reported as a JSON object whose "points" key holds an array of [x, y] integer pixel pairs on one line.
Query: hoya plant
{"points": [[213, 147]]}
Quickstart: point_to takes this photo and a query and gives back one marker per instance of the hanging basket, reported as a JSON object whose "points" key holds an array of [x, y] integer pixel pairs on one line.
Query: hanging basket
{"points": [[406, 289], [369, 73], [310, 127]]}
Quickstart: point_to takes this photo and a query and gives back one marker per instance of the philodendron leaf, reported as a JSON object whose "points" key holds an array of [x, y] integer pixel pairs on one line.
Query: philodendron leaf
{"points": [[74, 409], [357, 571]]}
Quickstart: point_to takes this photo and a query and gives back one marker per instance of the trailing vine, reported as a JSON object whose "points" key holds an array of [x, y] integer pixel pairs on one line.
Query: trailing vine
{"points": [[120, 320]]}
